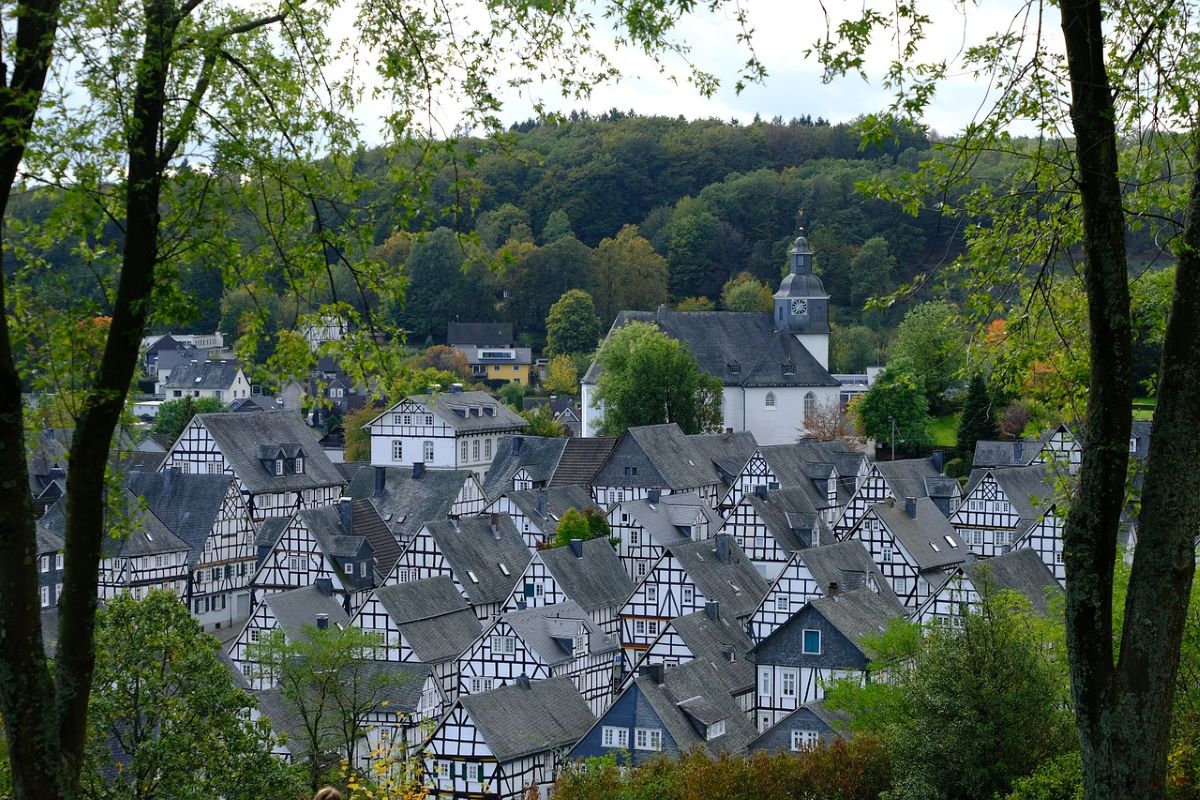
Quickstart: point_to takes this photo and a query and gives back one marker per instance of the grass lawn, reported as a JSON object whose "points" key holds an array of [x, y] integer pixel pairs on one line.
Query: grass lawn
{"points": [[1143, 408], [944, 430]]}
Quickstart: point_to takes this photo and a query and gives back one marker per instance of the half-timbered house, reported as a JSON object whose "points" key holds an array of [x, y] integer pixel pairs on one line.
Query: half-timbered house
{"points": [[813, 573], [828, 471], [1058, 445], [209, 513], [667, 710], [294, 613], [821, 642], [588, 573], [484, 556], [542, 643], [772, 525], [408, 498], [911, 477], [914, 547], [536, 512], [687, 577], [656, 458], [503, 743], [50, 547], [644, 529], [1044, 537], [275, 458], [1020, 571], [425, 622], [446, 430], [522, 463], [1000, 506]]}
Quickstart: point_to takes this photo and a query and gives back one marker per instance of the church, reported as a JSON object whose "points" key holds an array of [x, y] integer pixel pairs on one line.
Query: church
{"points": [[774, 365]]}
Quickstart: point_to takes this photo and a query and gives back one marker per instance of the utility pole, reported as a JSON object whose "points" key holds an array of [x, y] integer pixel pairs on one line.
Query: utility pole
{"points": [[893, 421]]}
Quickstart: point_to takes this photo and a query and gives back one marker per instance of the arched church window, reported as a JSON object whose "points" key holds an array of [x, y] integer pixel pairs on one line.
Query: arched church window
{"points": [[810, 405], [770, 400]]}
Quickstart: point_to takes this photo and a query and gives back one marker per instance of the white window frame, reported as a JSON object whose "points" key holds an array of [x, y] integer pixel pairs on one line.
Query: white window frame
{"points": [[652, 593], [804, 739], [804, 642], [647, 739], [789, 683], [397, 449], [612, 736], [428, 450], [504, 645]]}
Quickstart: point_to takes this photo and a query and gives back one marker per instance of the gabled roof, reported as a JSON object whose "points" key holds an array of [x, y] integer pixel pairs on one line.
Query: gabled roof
{"points": [[581, 459], [269, 531], [596, 580], [676, 457], [466, 412], [686, 684], [537, 454], [927, 535], [728, 452], [790, 517], [1021, 571], [240, 438], [490, 334], [519, 720], [906, 477], [1018, 453], [325, 525], [661, 519], [717, 338], [432, 616], [848, 564], [298, 609], [147, 534], [406, 503], [187, 504], [722, 644], [553, 501], [838, 722], [486, 563], [203, 375], [538, 630], [730, 579], [857, 614], [1027, 488]]}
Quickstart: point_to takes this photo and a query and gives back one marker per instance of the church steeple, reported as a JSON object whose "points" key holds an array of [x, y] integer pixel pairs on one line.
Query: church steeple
{"points": [[801, 304], [801, 256]]}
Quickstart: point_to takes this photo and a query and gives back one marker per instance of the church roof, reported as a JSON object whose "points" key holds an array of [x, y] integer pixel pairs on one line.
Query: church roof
{"points": [[795, 285]]}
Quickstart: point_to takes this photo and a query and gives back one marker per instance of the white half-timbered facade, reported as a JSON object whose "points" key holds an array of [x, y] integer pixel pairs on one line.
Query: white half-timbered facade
{"points": [[1044, 537], [1020, 571], [826, 471], [536, 512], [772, 525], [644, 529], [1000, 505], [296, 559], [292, 612], [913, 477], [408, 498]]}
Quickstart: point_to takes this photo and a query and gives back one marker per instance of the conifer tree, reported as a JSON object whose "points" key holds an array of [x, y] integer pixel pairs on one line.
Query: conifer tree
{"points": [[978, 422]]}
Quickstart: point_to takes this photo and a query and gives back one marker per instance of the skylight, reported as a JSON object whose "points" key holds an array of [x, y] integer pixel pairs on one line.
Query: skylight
{"points": [[504, 569], [471, 575], [936, 549], [953, 544]]}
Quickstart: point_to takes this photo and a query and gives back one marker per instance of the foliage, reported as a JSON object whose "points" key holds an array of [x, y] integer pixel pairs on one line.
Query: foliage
{"points": [[978, 420], [629, 274], [895, 397], [558, 225], [538, 277], [540, 422], [446, 359], [358, 440], [513, 395], [853, 348], [397, 772], [166, 711], [1059, 778], [743, 292], [647, 378], [854, 770], [872, 271], [174, 415], [562, 376], [572, 325], [930, 341], [695, 304], [826, 422], [590, 523]]}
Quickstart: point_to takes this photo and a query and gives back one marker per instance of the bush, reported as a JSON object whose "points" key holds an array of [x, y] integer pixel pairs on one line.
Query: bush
{"points": [[956, 468]]}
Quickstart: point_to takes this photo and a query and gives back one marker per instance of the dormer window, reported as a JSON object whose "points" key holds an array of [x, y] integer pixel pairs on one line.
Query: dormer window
{"points": [[734, 367], [299, 465], [279, 466], [789, 367]]}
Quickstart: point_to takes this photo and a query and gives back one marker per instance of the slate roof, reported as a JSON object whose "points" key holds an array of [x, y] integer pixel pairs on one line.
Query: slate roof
{"points": [[325, 525], [661, 519], [848, 564], [49, 541], [928, 536], [674, 455], [269, 531], [147, 534], [407, 503], [536, 631], [518, 720], [906, 477], [539, 456], [581, 459], [1018, 453], [1022, 486], [471, 548], [597, 580], [790, 518], [467, 412], [733, 581], [693, 681], [240, 438], [203, 375], [717, 338], [838, 722], [297, 609], [556, 500], [727, 452], [489, 334], [434, 619], [187, 504], [1021, 571], [712, 641], [857, 614]]}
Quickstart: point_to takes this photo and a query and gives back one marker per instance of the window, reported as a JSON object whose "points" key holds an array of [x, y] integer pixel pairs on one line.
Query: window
{"points": [[812, 642], [641, 569], [428, 448], [652, 594], [45, 596], [634, 538], [45, 563], [299, 465], [783, 603], [630, 472], [473, 771], [445, 770], [429, 419], [805, 740], [787, 683], [462, 450], [611, 736], [212, 468], [810, 405], [397, 449], [764, 681], [769, 402], [647, 738], [58, 560], [279, 466], [715, 730], [1133, 444], [886, 555], [689, 595], [408, 419], [295, 564], [789, 368], [953, 544], [504, 645], [482, 685], [652, 627], [395, 419], [639, 627]]}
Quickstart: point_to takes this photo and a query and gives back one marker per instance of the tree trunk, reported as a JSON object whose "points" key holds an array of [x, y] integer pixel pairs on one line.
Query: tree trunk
{"points": [[1123, 710]]}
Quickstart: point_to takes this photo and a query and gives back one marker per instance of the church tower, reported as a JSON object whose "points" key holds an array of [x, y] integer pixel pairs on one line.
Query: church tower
{"points": [[801, 304]]}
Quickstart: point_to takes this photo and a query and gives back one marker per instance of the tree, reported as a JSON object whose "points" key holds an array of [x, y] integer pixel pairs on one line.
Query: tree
{"points": [[446, 359], [695, 304], [540, 276], [562, 376], [629, 274], [166, 711], [174, 415], [572, 325], [357, 440], [585, 525], [931, 341], [647, 378], [853, 348], [540, 421], [826, 422], [871, 271], [743, 292], [558, 225], [895, 397], [978, 420]]}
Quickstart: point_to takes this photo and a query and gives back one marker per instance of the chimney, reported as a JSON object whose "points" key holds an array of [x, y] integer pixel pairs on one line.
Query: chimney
{"points": [[1018, 447], [494, 521], [322, 621], [380, 480], [517, 441], [834, 589], [522, 605], [910, 507], [541, 502], [721, 547], [653, 671], [577, 547], [891, 501], [324, 586], [760, 491], [939, 462], [712, 610], [523, 681], [418, 470], [346, 515], [654, 495]]}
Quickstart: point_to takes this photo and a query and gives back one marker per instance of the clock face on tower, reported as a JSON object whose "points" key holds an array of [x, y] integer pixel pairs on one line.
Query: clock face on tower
{"points": [[799, 307]]}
